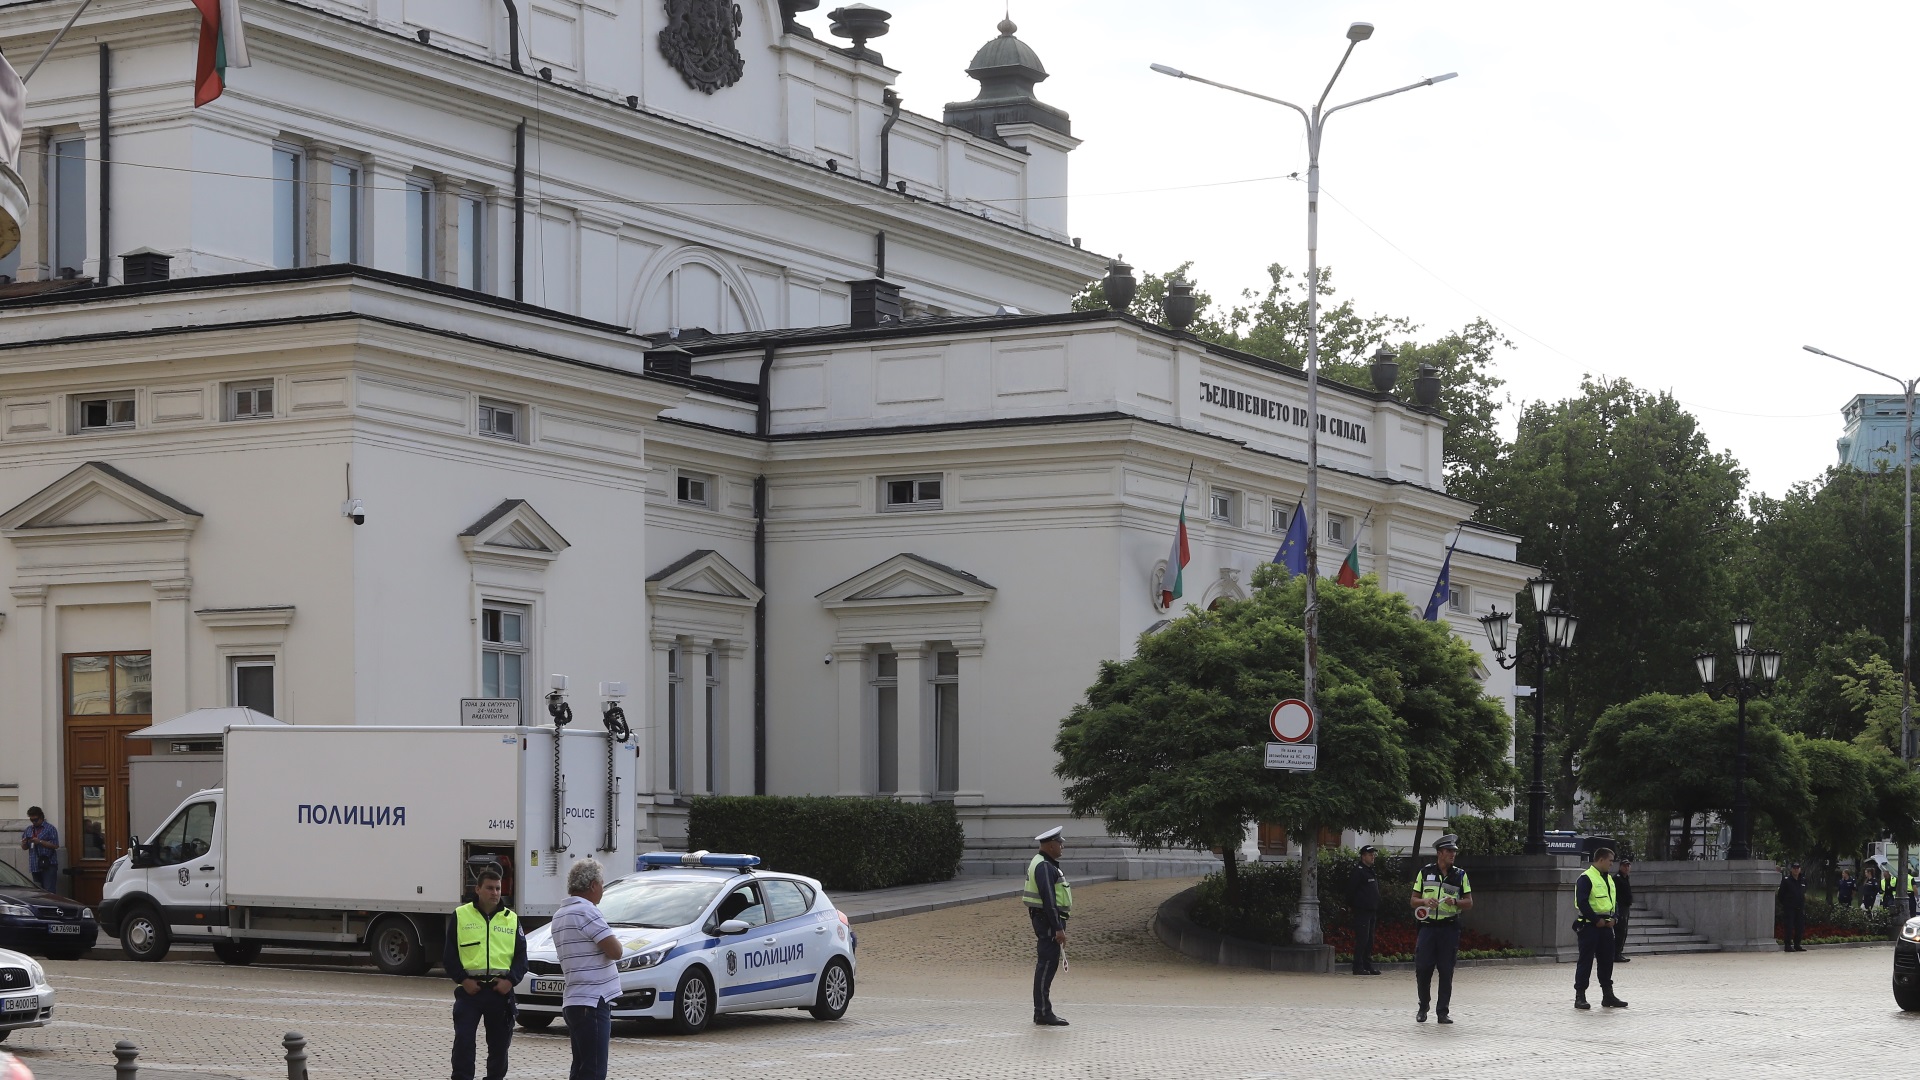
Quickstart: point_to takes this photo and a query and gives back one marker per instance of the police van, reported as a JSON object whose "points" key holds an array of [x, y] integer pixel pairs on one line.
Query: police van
{"points": [[704, 934]]}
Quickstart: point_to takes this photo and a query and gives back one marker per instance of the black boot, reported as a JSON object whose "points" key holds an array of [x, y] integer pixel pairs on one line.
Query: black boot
{"points": [[1421, 1016], [1049, 1020], [1608, 1001], [1580, 1000]]}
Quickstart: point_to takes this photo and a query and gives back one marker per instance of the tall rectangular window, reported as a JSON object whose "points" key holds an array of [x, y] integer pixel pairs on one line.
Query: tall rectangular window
{"points": [[886, 683], [69, 210], [503, 652], [344, 245], [946, 721], [252, 683], [676, 687], [473, 249], [419, 229], [286, 207]]}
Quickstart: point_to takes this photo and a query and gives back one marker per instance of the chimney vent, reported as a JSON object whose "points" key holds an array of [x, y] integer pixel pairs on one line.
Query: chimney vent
{"points": [[875, 303], [669, 360], [145, 264]]}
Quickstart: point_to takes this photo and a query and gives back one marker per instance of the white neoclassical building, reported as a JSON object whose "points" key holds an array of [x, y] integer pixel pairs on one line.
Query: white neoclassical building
{"points": [[428, 361]]}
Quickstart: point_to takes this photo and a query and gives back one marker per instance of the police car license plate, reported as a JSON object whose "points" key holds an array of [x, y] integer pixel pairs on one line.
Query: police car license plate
{"points": [[549, 986], [63, 928], [24, 1003]]}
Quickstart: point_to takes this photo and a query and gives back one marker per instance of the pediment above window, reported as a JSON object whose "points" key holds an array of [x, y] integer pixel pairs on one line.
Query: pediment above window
{"points": [[908, 580], [97, 499], [704, 577], [513, 532]]}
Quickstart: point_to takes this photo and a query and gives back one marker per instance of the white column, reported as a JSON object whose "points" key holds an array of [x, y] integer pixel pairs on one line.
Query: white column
{"points": [[318, 162], [693, 742], [736, 695], [654, 763], [974, 708], [850, 662], [384, 202], [916, 720], [29, 688], [169, 613]]}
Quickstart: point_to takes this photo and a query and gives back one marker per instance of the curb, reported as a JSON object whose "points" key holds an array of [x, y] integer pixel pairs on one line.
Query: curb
{"points": [[1011, 892], [1501, 961], [1848, 945], [1175, 929]]}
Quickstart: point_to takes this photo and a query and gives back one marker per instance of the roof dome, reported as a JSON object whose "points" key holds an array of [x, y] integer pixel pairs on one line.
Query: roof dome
{"points": [[1007, 70], [1007, 53]]}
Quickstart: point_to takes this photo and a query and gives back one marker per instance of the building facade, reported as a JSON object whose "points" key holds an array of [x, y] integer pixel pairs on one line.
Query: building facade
{"points": [[1876, 428], [346, 452]]}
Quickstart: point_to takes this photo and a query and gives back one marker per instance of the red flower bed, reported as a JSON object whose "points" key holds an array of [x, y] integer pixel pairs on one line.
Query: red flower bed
{"points": [[1824, 930], [1396, 941]]}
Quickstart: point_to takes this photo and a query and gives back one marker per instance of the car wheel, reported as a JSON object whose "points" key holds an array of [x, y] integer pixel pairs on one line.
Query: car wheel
{"points": [[1907, 997], [534, 1021], [144, 934], [396, 948], [237, 953], [693, 1003], [836, 991]]}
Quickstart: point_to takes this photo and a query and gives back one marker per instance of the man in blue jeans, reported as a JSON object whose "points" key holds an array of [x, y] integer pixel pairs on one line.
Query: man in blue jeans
{"points": [[587, 949], [42, 844]]}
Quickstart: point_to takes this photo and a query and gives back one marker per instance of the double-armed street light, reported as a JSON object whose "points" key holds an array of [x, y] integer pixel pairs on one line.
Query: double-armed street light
{"points": [[1754, 673], [1552, 639]]}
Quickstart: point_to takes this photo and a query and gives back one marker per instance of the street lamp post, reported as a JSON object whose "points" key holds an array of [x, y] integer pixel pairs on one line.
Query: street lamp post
{"points": [[1754, 673], [1906, 594], [1552, 638], [1316, 120]]}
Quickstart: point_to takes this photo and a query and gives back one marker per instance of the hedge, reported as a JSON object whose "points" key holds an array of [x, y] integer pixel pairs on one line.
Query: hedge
{"points": [[848, 843]]}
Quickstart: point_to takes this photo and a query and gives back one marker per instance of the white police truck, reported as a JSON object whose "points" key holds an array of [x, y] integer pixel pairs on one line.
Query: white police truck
{"points": [[705, 934]]}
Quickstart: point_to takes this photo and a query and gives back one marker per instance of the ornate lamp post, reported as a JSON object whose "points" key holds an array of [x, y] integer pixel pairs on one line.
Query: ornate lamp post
{"points": [[1552, 639], [1754, 673]]}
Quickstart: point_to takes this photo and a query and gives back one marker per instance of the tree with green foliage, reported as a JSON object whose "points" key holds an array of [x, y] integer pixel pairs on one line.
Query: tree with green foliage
{"points": [[1842, 809], [1169, 745], [1618, 495], [1814, 699], [1675, 755], [1874, 690]]}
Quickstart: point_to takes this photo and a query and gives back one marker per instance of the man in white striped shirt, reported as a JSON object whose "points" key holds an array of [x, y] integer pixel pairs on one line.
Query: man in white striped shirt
{"points": [[588, 950]]}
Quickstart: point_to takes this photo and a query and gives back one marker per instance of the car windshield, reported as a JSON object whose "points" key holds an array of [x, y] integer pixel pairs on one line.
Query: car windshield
{"points": [[657, 903], [14, 879]]}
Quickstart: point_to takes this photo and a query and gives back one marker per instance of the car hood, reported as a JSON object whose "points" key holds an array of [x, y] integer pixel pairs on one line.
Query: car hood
{"points": [[633, 938], [37, 898]]}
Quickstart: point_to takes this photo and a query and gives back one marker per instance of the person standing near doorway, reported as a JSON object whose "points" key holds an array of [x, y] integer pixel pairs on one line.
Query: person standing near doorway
{"points": [[41, 841]]}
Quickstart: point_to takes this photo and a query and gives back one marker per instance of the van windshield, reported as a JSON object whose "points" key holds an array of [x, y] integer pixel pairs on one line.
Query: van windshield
{"points": [[658, 904]]}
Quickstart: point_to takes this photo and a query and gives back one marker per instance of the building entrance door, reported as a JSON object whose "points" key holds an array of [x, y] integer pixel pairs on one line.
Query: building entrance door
{"points": [[107, 696]]}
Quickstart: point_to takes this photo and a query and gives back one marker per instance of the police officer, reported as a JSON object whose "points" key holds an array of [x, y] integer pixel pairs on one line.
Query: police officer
{"points": [[1792, 896], [1363, 898], [1441, 892], [485, 956], [1594, 899], [1049, 901]]}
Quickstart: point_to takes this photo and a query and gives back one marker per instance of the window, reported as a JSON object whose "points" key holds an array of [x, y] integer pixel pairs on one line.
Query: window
{"points": [[119, 684], [68, 212], [473, 251], [886, 684], [910, 493], [695, 490], [344, 244], [1223, 505], [286, 207], [946, 721], [104, 413], [1456, 598], [188, 836], [500, 420], [419, 229], [503, 652], [1280, 517], [1336, 529], [676, 689], [744, 904], [252, 683], [250, 400], [785, 899]]}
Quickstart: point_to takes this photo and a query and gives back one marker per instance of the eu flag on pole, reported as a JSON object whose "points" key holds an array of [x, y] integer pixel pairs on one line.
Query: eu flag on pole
{"points": [[1293, 549], [1442, 587]]}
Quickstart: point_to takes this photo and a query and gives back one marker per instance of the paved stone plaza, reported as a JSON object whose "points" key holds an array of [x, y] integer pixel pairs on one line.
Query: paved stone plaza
{"points": [[944, 994]]}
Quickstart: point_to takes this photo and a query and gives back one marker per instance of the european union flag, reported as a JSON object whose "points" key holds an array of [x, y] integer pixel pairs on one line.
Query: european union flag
{"points": [[1293, 549], [1442, 588]]}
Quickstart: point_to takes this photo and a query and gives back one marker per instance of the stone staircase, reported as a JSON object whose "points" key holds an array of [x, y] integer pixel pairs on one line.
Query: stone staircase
{"points": [[1650, 933]]}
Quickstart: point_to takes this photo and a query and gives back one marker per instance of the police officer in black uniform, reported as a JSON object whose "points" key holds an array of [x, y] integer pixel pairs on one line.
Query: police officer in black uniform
{"points": [[1049, 901], [1363, 898], [1792, 896], [1441, 892]]}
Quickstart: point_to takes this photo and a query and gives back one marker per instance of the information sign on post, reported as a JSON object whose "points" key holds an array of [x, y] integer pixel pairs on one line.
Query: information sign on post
{"points": [[489, 712], [1293, 757]]}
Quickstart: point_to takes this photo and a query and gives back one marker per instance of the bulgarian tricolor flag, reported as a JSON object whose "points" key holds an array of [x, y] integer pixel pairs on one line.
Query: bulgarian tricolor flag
{"points": [[1349, 574], [1179, 557], [223, 44]]}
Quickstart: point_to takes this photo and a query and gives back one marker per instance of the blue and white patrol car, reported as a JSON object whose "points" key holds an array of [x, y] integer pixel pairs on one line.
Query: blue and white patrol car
{"points": [[705, 934]]}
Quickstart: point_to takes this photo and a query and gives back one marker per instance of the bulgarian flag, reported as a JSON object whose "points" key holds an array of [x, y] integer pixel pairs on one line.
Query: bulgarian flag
{"points": [[1179, 557], [1349, 574], [223, 44]]}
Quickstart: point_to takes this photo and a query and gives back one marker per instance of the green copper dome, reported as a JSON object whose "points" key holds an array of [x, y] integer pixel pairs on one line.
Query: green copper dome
{"points": [[1007, 53]]}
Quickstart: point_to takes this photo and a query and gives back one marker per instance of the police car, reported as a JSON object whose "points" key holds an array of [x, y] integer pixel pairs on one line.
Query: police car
{"points": [[704, 934]]}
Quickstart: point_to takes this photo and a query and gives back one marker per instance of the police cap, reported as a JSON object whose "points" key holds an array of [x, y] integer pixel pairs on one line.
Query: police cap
{"points": [[1449, 842], [1051, 834], [1366, 849]]}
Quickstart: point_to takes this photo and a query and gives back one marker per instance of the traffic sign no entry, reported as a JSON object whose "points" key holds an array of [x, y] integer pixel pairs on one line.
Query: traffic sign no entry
{"points": [[1291, 721]]}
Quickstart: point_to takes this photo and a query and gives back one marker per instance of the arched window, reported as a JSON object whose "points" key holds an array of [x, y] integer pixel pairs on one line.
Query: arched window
{"points": [[696, 291]]}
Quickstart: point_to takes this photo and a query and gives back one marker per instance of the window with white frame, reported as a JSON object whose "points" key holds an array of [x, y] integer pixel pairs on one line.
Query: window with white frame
{"points": [[472, 271], [1223, 505], [886, 702], [344, 230], [694, 489], [946, 721], [503, 652], [501, 420], [419, 228], [251, 400], [67, 211], [1280, 517], [1457, 598], [287, 216], [1337, 528], [910, 492], [250, 683], [676, 716], [104, 412]]}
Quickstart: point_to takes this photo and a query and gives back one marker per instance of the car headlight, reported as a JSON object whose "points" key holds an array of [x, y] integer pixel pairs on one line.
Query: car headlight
{"points": [[86, 914], [39, 973], [1911, 931], [641, 960], [17, 910]]}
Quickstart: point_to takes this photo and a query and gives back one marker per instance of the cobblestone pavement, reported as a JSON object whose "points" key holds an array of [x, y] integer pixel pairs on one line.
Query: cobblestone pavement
{"points": [[944, 995]]}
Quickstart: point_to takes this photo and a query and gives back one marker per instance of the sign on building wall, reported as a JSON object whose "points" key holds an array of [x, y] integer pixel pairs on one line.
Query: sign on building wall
{"points": [[489, 712]]}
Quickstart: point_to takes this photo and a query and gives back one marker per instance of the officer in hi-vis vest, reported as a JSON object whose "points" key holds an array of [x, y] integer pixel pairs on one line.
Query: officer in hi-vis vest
{"points": [[1594, 898], [485, 956], [1049, 901], [1441, 892]]}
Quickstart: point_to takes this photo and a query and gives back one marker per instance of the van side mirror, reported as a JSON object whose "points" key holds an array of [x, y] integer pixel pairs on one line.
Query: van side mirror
{"points": [[734, 926]]}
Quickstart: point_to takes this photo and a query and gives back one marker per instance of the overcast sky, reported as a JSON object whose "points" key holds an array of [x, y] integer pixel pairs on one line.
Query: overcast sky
{"points": [[1677, 194]]}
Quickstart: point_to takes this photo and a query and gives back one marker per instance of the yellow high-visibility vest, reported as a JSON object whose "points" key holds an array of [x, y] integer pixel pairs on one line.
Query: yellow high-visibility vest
{"points": [[486, 945]]}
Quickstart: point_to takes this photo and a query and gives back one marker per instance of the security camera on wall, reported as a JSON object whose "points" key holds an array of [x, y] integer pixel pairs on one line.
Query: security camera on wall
{"points": [[354, 509]]}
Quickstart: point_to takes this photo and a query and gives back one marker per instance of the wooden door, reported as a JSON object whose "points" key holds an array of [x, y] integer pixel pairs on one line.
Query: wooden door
{"points": [[107, 695]]}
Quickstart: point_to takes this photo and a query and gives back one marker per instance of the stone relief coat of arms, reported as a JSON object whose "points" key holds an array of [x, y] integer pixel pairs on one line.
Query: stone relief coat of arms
{"points": [[699, 42]]}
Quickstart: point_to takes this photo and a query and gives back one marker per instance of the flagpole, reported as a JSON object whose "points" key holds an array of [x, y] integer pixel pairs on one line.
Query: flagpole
{"points": [[56, 40]]}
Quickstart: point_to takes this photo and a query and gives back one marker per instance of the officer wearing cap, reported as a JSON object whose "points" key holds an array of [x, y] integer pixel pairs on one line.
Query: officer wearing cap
{"points": [[1441, 892], [1049, 901], [1792, 896], [1363, 899], [1594, 902]]}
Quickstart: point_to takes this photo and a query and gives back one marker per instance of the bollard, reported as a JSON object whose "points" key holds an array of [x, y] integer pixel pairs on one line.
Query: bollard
{"points": [[124, 1054], [296, 1045]]}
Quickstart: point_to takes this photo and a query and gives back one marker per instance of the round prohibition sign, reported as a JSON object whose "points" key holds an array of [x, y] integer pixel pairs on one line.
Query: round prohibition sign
{"points": [[1291, 721]]}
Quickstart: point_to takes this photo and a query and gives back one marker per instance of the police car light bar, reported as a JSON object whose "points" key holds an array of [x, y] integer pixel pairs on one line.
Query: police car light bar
{"points": [[657, 859]]}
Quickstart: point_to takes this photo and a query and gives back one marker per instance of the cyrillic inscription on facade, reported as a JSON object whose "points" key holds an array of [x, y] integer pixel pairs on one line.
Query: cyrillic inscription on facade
{"points": [[1269, 409]]}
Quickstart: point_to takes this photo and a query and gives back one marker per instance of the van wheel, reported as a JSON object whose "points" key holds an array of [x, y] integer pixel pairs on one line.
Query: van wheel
{"points": [[534, 1021], [693, 1003], [237, 953], [1907, 997], [836, 991], [144, 934], [396, 948]]}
